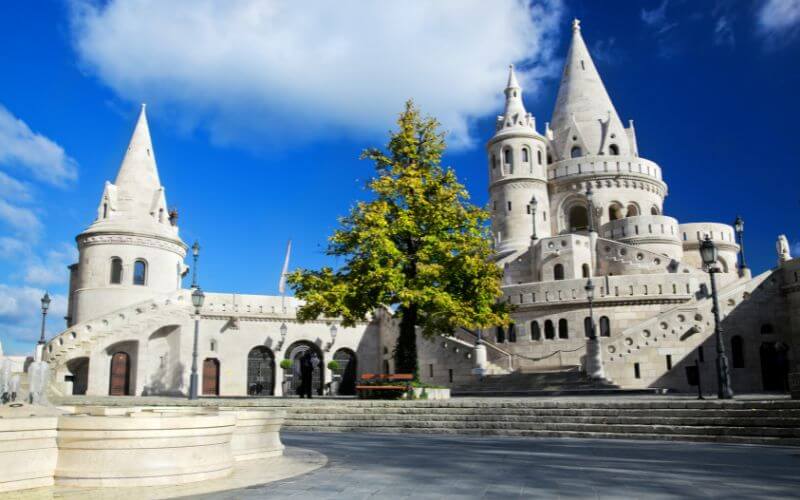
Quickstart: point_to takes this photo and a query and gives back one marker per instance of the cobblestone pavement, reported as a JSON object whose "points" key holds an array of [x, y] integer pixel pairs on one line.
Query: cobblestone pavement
{"points": [[430, 466]]}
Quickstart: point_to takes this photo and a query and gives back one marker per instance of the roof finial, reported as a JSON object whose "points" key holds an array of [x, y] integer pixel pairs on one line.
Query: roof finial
{"points": [[576, 24], [512, 78]]}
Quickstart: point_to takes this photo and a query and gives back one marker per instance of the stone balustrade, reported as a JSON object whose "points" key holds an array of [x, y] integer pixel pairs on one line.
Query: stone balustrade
{"points": [[593, 165]]}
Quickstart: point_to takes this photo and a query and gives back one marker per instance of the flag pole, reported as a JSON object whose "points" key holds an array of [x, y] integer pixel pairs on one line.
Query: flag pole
{"points": [[284, 274]]}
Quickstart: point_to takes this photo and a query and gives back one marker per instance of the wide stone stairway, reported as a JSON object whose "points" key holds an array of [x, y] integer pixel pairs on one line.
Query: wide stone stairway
{"points": [[538, 383], [765, 420]]}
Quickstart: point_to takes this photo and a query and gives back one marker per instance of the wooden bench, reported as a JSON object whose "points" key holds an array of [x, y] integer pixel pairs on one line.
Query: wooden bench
{"points": [[379, 378]]}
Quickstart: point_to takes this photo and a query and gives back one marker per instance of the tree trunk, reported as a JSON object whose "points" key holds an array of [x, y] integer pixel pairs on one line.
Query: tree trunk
{"points": [[405, 352]]}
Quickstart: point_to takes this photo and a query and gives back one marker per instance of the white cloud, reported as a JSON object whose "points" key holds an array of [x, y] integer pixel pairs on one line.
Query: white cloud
{"points": [[723, 31], [779, 17], [657, 16], [22, 148], [256, 71], [20, 313], [12, 189], [23, 220], [53, 268]]}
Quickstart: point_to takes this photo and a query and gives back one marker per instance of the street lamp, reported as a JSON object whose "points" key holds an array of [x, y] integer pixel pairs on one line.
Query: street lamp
{"points": [[334, 331], [708, 252], [284, 330], [195, 255], [197, 301], [589, 208], [594, 358], [738, 226], [45, 307], [534, 203]]}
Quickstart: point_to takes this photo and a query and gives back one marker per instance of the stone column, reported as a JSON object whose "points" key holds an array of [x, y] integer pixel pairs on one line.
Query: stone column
{"points": [[278, 374]]}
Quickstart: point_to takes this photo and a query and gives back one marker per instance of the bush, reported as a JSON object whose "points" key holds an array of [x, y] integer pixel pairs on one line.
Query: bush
{"points": [[333, 365], [286, 364]]}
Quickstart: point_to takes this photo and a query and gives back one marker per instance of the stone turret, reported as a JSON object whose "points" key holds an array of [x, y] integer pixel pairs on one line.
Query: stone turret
{"points": [[517, 173], [131, 251]]}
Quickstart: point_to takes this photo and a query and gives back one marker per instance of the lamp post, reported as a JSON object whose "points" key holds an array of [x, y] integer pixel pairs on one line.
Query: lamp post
{"points": [[195, 255], [738, 226], [197, 301], [334, 331], [534, 203], [708, 252], [589, 207], [594, 358], [45, 307], [284, 330]]}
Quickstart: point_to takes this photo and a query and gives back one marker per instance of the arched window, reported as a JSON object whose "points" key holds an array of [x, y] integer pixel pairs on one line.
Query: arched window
{"points": [[613, 149], [614, 212], [737, 351], [654, 210], [585, 270], [508, 160], [105, 210], [140, 272], [558, 272], [494, 161], [539, 157], [512, 332], [116, 271], [578, 218], [633, 210], [563, 333], [525, 155], [575, 152], [587, 327], [605, 326], [549, 330], [500, 334], [766, 329], [536, 334]]}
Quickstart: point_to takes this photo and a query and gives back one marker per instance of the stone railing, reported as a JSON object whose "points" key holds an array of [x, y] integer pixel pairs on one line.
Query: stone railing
{"points": [[594, 165]]}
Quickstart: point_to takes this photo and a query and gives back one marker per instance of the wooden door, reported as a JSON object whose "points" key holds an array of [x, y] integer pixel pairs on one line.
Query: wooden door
{"points": [[120, 374], [211, 377]]}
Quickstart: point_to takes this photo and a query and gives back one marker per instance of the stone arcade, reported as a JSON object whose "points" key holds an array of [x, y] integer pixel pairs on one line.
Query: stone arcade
{"points": [[130, 323]]}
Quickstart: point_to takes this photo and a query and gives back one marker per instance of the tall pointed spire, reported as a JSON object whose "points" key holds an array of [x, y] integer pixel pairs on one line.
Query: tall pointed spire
{"points": [[138, 169], [584, 102], [514, 115]]}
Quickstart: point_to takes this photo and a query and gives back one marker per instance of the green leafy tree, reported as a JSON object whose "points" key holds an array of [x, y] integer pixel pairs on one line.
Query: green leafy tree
{"points": [[418, 247]]}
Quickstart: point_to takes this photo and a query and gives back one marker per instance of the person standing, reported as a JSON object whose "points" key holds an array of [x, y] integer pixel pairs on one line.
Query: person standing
{"points": [[306, 375]]}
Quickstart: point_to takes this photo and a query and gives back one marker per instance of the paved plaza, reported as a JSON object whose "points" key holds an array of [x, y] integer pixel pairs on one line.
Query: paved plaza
{"points": [[428, 466]]}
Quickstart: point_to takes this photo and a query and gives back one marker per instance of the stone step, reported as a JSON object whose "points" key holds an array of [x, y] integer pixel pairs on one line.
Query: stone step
{"points": [[740, 414], [779, 441]]}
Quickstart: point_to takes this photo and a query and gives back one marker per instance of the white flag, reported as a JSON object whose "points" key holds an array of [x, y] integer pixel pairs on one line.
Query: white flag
{"points": [[285, 271]]}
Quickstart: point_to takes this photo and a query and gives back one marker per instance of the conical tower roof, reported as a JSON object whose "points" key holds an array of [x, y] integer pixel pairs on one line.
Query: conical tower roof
{"points": [[584, 102], [136, 202], [514, 118]]}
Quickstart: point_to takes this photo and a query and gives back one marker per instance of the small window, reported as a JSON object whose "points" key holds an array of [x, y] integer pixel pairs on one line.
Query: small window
{"points": [[563, 332], [587, 327], [605, 326], [539, 157], [613, 150], [512, 332], [583, 66], [508, 158], [633, 210], [536, 334], [654, 210], [213, 346], [576, 152], [430, 370], [140, 272], [450, 375], [509, 206], [614, 212], [116, 271], [585, 270], [549, 330], [558, 272], [494, 161], [637, 372], [669, 362], [525, 155], [105, 210]]}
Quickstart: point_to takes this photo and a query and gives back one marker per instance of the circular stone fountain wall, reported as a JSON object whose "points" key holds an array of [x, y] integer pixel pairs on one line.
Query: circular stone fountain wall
{"points": [[27, 449]]}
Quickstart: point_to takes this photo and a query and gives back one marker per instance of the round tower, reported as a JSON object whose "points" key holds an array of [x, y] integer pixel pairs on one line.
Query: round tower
{"points": [[132, 251], [517, 174]]}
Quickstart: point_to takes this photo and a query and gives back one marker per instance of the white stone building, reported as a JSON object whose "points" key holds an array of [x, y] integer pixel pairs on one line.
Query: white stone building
{"points": [[130, 324]]}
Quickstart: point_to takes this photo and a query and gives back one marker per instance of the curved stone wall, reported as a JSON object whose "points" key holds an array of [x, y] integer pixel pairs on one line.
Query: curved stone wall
{"points": [[657, 233], [257, 433], [723, 237], [28, 451], [125, 448]]}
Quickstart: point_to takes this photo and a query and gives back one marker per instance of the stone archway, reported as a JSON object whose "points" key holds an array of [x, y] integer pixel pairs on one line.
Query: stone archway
{"points": [[210, 377], [260, 372], [297, 351], [79, 375], [348, 370]]}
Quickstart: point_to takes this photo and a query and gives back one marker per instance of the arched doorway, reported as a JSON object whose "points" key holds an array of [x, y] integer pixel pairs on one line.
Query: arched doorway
{"points": [[260, 372], [578, 218], [211, 377], [120, 382], [774, 366], [297, 351], [78, 375], [348, 370]]}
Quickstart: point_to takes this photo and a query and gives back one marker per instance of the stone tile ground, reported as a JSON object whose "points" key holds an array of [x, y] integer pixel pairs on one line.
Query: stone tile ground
{"points": [[426, 466]]}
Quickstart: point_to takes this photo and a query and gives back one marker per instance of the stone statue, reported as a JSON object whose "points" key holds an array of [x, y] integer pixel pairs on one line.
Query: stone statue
{"points": [[782, 246]]}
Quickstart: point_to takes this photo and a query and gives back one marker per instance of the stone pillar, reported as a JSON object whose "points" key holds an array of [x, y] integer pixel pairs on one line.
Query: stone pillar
{"points": [[480, 359], [278, 375]]}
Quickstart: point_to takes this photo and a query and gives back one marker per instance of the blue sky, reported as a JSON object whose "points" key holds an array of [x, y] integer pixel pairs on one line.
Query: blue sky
{"points": [[259, 111]]}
